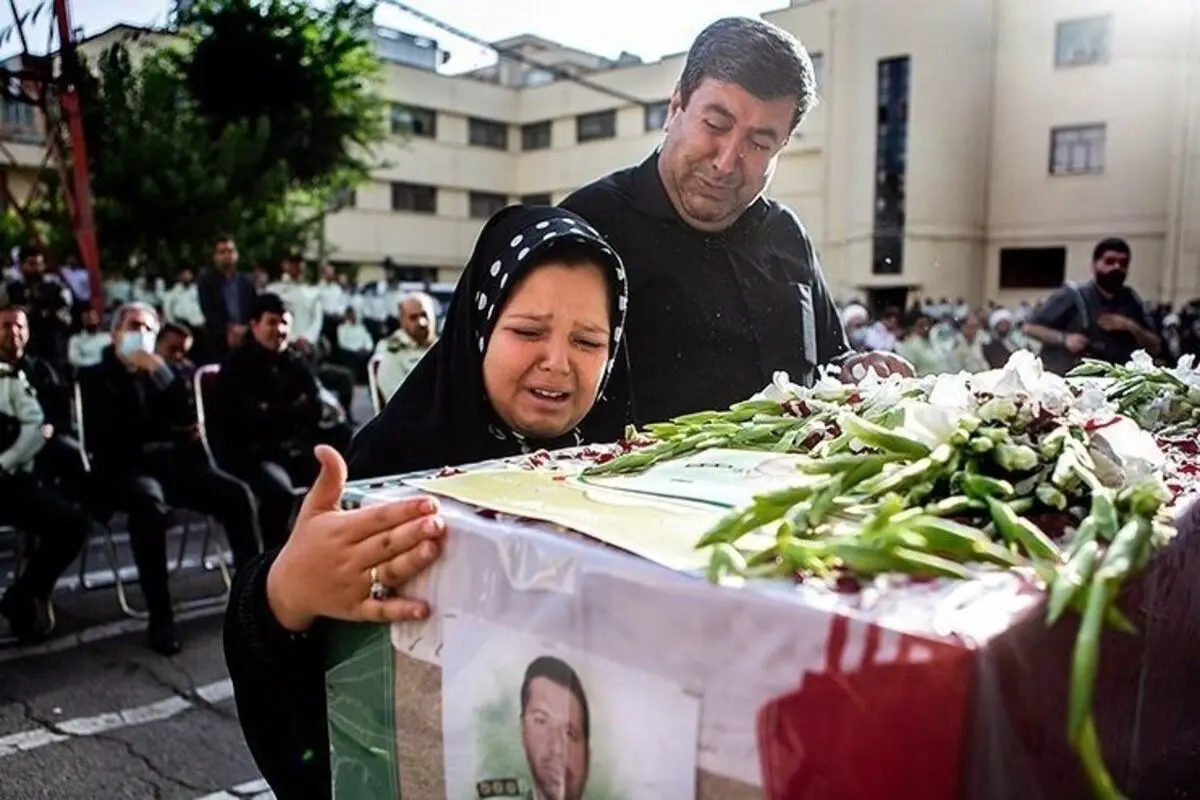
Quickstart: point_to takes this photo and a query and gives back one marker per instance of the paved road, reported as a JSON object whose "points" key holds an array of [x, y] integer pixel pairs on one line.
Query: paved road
{"points": [[95, 715], [111, 719]]}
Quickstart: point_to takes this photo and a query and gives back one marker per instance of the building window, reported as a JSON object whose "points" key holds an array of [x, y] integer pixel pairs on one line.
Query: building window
{"points": [[539, 199], [17, 114], [1080, 42], [1077, 149], [538, 77], [818, 62], [535, 136], [345, 197], [656, 115], [414, 197], [414, 121], [486, 133], [891, 165], [484, 204], [1033, 267], [600, 125], [408, 273]]}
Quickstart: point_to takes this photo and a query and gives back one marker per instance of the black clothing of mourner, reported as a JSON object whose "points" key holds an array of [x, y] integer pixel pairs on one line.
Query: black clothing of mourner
{"points": [[139, 429], [224, 300], [49, 314], [1076, 309], [439, 416], [60, 528], [264, 425], [714, 315], [60, 462]]}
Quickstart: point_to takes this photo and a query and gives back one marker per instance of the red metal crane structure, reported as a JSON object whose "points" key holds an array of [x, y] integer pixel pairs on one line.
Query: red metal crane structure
{"points": [[49, 83]]}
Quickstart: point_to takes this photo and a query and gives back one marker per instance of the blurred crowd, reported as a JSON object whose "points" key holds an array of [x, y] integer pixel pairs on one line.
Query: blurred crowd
{"points": [[207, 395]]}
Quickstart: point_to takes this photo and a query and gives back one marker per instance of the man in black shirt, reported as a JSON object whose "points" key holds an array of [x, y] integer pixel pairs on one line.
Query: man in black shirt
{"points": [[48, 304], [266, 417], [140, 428], [725, 287], [1103, 318]]}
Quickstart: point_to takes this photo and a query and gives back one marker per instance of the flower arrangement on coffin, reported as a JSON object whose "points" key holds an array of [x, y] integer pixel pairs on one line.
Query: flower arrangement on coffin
{"points": [[950, 476]]}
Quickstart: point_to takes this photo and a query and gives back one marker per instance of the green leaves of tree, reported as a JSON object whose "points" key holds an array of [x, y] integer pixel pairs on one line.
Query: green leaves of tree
{"points": [[250, 126]]}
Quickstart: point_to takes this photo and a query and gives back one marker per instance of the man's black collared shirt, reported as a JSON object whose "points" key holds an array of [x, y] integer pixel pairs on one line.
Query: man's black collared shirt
{"points": [[711, 316]]}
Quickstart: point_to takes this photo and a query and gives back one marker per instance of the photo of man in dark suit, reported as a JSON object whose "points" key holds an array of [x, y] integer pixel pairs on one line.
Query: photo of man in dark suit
{"points": [[555, 730]]}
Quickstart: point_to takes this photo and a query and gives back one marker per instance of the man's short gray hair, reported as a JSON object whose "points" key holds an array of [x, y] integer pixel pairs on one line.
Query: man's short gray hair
{"points": [[424, 299], [124, 311], [764, 59]]}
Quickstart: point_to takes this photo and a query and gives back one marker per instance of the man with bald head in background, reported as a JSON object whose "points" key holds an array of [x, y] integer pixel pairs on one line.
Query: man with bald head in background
{"points": [[400, 352]]}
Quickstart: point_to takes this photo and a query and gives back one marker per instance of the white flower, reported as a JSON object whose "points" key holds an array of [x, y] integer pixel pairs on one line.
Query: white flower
{"points": [[1141, 362]]}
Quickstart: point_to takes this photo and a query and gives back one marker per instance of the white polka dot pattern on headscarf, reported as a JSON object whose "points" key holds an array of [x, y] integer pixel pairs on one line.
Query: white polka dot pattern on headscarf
{"points": [[526, 244]]}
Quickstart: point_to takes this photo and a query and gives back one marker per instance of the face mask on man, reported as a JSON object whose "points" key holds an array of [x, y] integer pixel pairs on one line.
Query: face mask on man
{"points": [[1111, 282], [135, 341]]}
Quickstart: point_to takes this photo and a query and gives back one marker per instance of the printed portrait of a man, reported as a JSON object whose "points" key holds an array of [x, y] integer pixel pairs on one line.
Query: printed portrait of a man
{"points": [[555, 730]]}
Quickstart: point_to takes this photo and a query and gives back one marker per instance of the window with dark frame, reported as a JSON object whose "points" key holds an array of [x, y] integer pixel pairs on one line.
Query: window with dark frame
{"points": [[538, 199], [414, 121], [893, 81], [598, 125], [818, 62], [482, 205], [535, 136], [656, 115], [1082, 42], [414, 197], [1077, 149], [1032, 267], [487, 133], [346, 197], [410, 273]]}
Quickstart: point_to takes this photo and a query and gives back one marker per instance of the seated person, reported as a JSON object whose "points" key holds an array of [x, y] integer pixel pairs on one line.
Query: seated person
{"points": [[266, 417], [400, 352], [60, 528], [141, 431], [528, 345], [85, 345], [174, 346], [354, 344], [59, 464]]}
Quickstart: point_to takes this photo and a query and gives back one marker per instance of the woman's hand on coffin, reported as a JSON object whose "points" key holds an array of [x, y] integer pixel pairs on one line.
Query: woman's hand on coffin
{"points": [[325, 569], [855, 368]]}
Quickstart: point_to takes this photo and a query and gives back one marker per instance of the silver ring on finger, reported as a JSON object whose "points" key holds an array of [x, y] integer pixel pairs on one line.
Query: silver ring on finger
{"points": [[378, 590]]}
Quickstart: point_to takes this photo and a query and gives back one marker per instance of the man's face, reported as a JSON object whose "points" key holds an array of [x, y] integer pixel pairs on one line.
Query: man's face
{"points": [[226, 254], [90, 320], [921, 327], [328, 273], [720, 152], [1111, 269], [415, 320], [34, 266], [185, 277], [271, 330], [555, 747], [291, 267], [174, 348], [14, 335]]}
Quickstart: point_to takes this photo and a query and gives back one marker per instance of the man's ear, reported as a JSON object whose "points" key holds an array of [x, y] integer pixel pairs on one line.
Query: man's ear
{"points": [[675, 106]]}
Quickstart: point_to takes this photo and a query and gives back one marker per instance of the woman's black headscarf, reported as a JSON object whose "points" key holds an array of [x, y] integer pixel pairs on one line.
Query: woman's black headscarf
{"points": [[440, 415]]}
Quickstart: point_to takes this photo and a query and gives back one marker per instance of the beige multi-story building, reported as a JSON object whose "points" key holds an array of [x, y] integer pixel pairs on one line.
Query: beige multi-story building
{"points": [[963, 148]]}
